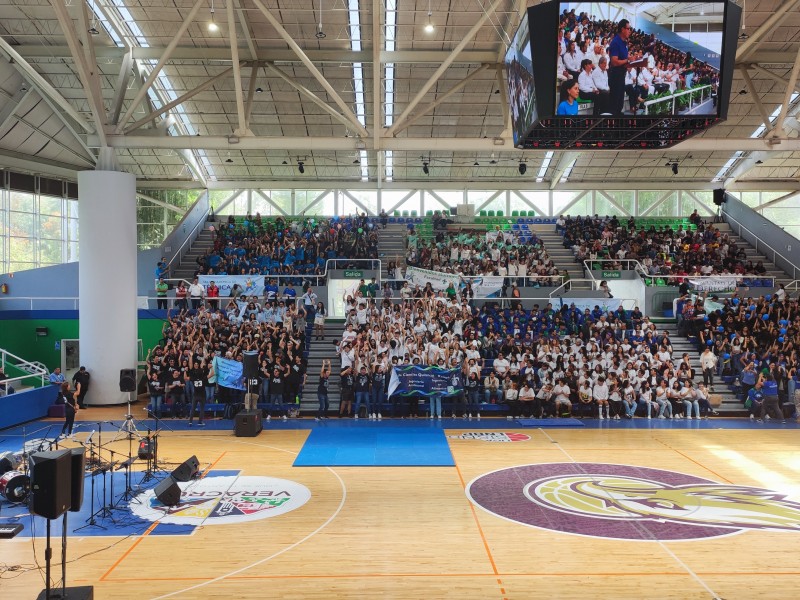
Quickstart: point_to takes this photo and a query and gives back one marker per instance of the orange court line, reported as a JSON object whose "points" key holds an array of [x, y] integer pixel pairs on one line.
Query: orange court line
{"points": [[480, 529], [702, 466], [129, 550], [213, 464]]}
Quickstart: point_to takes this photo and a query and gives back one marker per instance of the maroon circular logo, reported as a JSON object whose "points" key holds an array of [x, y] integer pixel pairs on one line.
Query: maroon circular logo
{"points": [[629, 502]]}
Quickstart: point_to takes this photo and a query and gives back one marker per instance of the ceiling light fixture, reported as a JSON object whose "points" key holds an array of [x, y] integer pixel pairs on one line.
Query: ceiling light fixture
{"points": [[259, 90], [284, 163], [522, 168], [212, 25], [674, 168], [425, 168], [429, 28], [93, 30], [476, 164], [93, 27], [320, 34], [301, 167]]}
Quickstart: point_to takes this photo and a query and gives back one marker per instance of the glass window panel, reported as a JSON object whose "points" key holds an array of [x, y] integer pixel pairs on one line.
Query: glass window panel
{"points": [[751, 199], [148, 213], [782, 216], [540, 199], [72, 209], [50, 251], [390, 198], [21, 224], [688, 205], [50, 227], [305, 198], [478, 197], [50, 205], [562, 199], [258, 205], [625, 198], [150, 234], [603, 207], [706, 198], [72, 230], [72, 251], [369, 198], [219, 197], [16, 266], [770, 196], [647, 198], [21, 202], [21, 249], [283, 199]]}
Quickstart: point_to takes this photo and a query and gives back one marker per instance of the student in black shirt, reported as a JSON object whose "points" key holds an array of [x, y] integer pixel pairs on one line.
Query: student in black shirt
{"points": [[296, 379], [175, 389], [197, 380], [322, 390], [277, 385], [346, 384], [362, 387], [70, 408]]}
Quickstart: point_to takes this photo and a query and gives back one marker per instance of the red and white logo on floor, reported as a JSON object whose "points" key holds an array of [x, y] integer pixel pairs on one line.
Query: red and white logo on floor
{"points": [[492, 436], [225, 499]]}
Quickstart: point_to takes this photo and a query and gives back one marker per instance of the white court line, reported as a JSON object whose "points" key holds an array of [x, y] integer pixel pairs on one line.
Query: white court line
{"points": [[659, 542], [268, 558]]}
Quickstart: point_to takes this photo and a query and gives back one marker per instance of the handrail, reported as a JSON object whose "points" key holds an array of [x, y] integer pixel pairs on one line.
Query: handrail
{"points": [[35, 370], [673, 96], [758, 240], [638, 267], [189, 238]]}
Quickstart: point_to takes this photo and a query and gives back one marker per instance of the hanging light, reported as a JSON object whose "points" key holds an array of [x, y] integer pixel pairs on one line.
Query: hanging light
{"points": [[320, 34], [301, 166], [212, 25], [522, 168], [425, 168], [93, 27], [429, 28]]}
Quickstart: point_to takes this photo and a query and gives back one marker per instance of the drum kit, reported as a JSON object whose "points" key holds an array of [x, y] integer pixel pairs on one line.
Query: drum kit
{"points": [[15, 484]]}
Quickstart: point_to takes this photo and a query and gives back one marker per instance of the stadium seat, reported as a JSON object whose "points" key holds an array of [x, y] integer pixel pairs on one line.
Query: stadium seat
{"points": [[490, 213]]}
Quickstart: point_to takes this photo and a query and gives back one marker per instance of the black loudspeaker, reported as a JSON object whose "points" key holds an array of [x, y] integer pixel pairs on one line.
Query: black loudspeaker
{"points": [[250, 364], [168, 492], [247, 423], [51, 483], [147, 449], [188, 470], [83, 592], [719, 197], [127, 380], [76, 478]]}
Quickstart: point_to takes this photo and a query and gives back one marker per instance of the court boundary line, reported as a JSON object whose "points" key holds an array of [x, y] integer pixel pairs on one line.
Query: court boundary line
{"points": [[236, 572]]}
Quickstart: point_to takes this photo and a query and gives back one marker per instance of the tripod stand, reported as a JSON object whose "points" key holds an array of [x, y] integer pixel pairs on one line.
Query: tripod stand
{"points": [[128, 426], [152, 457]]}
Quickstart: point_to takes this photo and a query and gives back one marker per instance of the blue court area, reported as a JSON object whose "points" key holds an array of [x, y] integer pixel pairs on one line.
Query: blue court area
{"points": [[113, 515], [375, 444]]}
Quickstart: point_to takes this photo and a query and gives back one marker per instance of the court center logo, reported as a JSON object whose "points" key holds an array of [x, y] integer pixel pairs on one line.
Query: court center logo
{"points": [[225, 499], [491, 436], [629, 503]]}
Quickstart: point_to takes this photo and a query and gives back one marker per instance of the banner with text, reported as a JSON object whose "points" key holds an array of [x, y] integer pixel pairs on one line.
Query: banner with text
{"points": [[229, 372], [252, 285], [439, 281], [485, 286], [414, 380], [714, 284]]}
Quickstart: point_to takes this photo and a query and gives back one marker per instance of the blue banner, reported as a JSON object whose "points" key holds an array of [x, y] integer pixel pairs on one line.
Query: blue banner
{"points": [[252, 285], [229, 372], [424, 381]]}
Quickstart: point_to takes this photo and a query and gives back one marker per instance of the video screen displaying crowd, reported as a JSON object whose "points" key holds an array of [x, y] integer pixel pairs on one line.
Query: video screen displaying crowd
{"points": [[584, 48], [541, 362], [662, 251], [523, 259], [256, 246], [752, 342]]}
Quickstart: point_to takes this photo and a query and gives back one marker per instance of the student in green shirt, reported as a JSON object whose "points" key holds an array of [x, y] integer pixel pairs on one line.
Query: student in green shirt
{"points": [[161, 293]]}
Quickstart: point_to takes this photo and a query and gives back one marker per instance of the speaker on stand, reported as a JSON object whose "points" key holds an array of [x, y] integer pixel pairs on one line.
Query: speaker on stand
{"points": [[250, 372]]}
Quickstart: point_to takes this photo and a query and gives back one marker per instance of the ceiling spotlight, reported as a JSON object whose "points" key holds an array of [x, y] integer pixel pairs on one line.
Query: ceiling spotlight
{"points": [[743, 36], [93, 30], [300, 166], [759, 162], [259, 90], [675, 168], [429, 28], [229, 160], [425, 168], [212, 26], [742, 92], [356, 162], [476, 164], [522, 168], [320, 35]]}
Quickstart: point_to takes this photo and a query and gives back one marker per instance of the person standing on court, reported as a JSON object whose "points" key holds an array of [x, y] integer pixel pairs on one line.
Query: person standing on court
{"points": [[81, 382], [70, 408], [618, 52]]}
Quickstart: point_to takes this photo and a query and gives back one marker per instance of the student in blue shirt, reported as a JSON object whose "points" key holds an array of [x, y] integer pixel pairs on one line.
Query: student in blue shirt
{"points": [[290, 293], [569, 98]]}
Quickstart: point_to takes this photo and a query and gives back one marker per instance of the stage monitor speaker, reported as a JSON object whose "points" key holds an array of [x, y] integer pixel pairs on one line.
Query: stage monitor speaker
{"points": [[168, 492], [79, 592], [188, 470], [247, 423], [51, 483], [127, 380], [76, 478], [250, 365]]}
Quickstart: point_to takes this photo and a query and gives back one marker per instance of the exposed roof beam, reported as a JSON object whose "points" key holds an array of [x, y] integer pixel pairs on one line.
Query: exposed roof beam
{"points": [[745, 165], [308, 144], [10, 104], [33, 77], [39, 166], [442, 67], [304, 58], [125, 71], [565, 161], [767, 27], [237, 73], [756, 98]]}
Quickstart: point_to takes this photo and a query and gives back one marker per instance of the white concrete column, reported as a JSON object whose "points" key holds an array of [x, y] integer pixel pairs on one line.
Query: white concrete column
{"points": [[107, 281]]}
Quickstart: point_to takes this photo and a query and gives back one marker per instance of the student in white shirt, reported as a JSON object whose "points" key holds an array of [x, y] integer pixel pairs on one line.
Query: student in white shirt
{"points": [[586, 87], [600, 393]]}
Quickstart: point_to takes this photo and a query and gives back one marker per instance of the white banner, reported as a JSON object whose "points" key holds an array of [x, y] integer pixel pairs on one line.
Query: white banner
{"points": [[486, 286], [252, 285], [438, 280], [714, 284], [499, 236]]}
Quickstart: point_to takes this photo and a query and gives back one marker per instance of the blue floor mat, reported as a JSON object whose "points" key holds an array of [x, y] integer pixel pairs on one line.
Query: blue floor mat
{"points": [[376, 445], [550, 423]]}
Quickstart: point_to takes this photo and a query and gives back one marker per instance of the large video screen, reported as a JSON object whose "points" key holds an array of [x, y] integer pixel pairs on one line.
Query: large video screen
{"points": [[628, 59], [519, 75]]}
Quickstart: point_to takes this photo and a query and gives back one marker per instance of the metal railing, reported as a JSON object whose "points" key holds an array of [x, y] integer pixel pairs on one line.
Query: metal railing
{"points": [[676, 95], [609, 264], [33, 370], [758, 244]]}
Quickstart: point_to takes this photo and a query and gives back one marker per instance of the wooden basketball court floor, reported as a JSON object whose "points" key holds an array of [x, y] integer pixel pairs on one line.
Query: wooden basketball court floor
{"points": [[413, 532]]}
